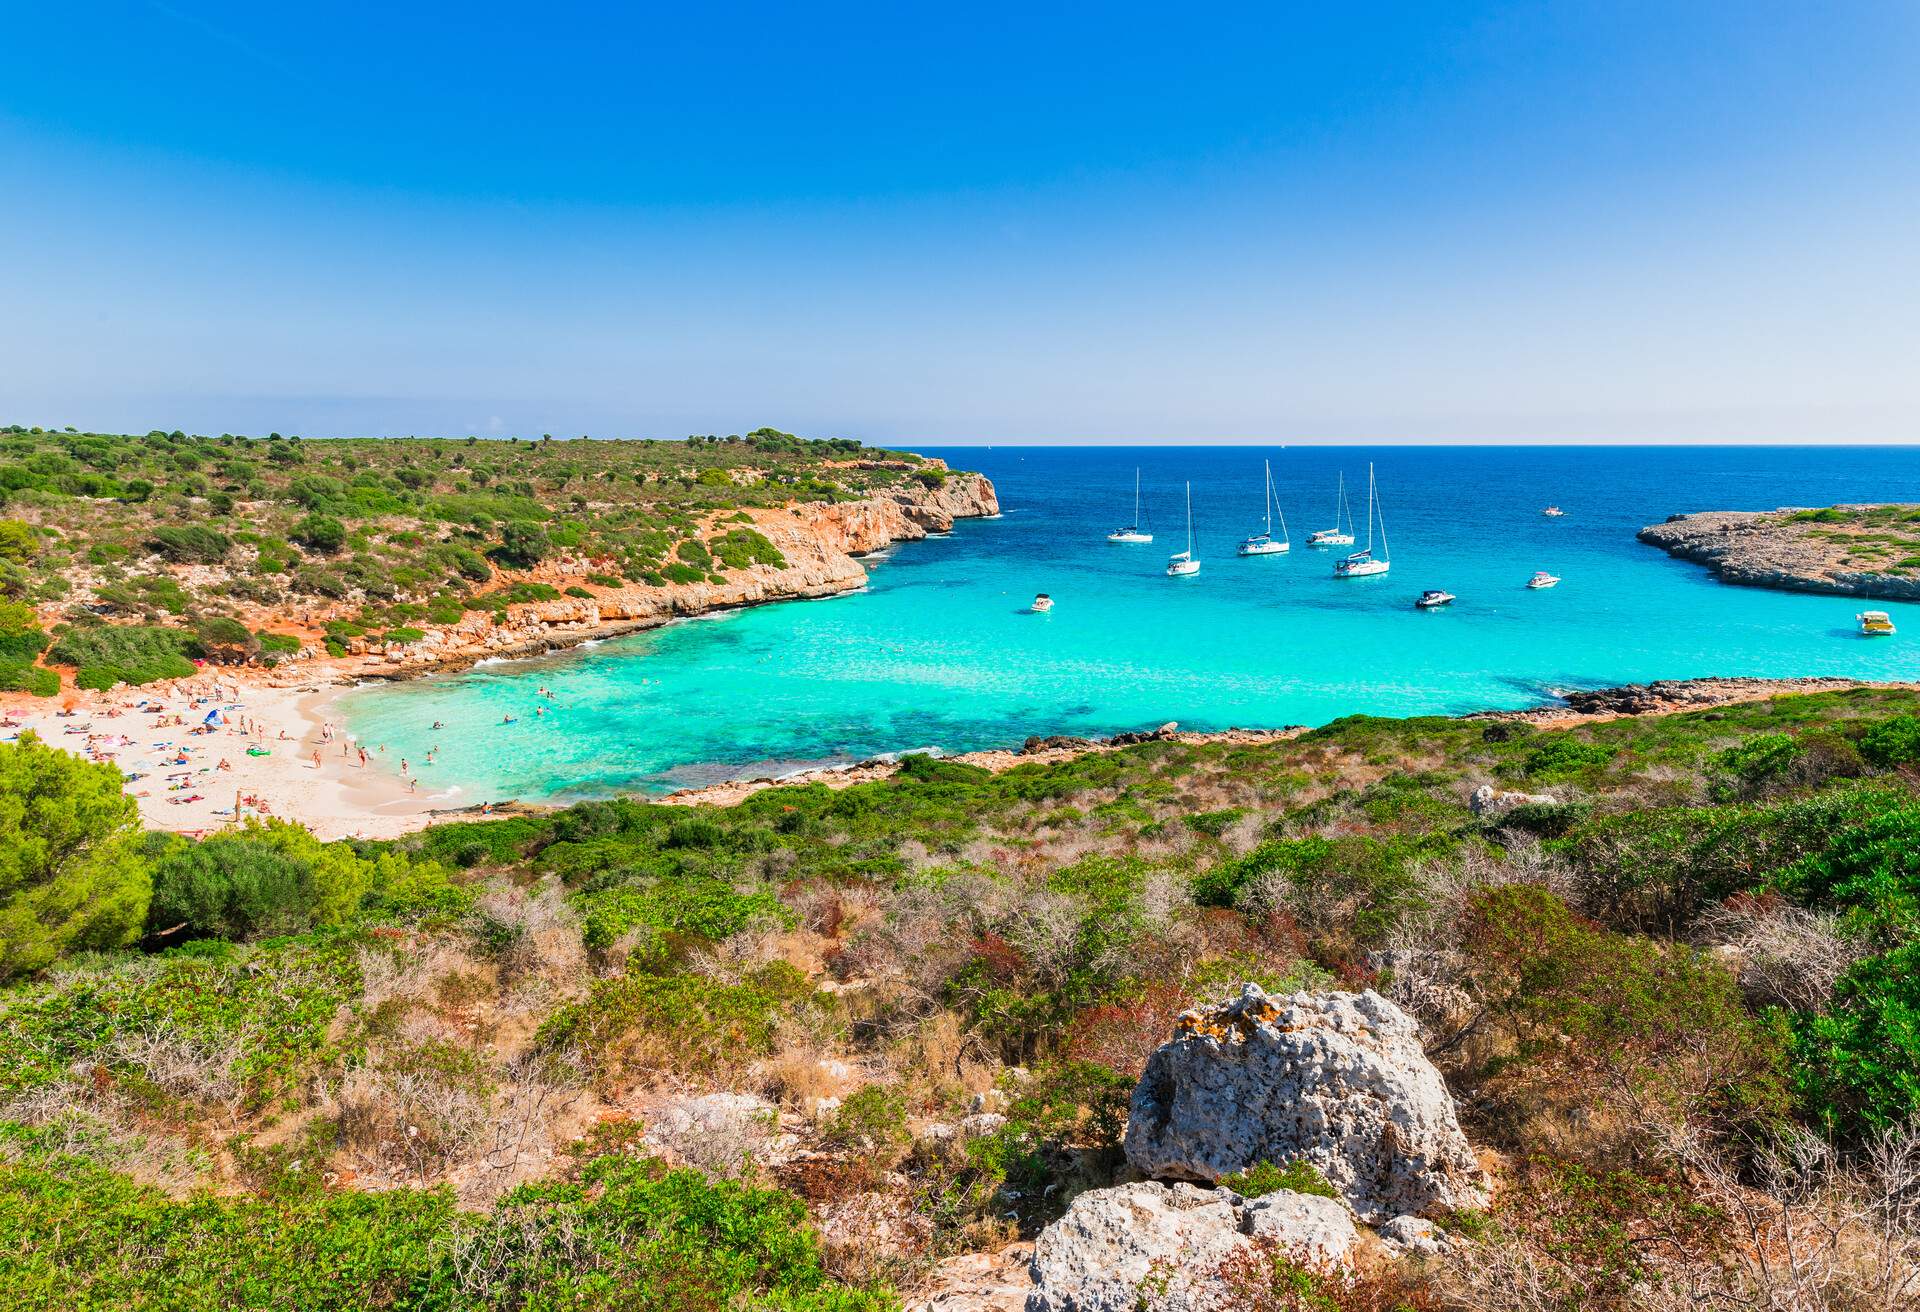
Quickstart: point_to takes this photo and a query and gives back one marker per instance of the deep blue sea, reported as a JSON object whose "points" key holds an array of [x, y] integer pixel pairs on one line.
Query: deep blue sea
{"points": [[941, 648]]}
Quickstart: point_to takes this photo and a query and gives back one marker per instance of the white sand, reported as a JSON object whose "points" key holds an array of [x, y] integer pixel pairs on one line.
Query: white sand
{"points": [[339, 798]]}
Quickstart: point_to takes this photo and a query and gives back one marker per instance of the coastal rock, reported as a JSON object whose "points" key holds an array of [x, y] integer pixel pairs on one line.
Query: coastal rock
{"points": [[1413, 1234], [1058, 742], [820, 542], [1486, 801], [1788, 549], [1336, 1079], [1159, 1245]]}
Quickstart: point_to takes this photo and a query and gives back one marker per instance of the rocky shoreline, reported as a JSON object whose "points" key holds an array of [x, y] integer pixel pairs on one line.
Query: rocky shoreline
{"points": [[1573, 706], [1793, 549], [821, 541]]}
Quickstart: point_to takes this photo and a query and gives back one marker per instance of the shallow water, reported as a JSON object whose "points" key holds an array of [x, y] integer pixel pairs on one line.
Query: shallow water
{"points": [[941, 649]]}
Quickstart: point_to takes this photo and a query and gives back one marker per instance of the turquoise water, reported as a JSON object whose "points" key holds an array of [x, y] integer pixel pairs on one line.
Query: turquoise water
{"points": [[941, 649]]}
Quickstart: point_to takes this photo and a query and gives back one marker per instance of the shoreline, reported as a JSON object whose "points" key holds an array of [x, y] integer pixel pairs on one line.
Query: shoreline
{"points": [[292, 718]]}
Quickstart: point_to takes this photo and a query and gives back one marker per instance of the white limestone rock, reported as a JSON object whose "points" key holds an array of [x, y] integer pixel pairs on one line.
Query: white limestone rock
{"points": [[1413, 1234], [1158, 1246], [1336, 1079]]}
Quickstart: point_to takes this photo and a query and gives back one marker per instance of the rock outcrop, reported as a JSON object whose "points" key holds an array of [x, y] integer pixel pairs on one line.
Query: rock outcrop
{"points": [[820, 542], [1489, 802], [1159, 1246], [1784, 549], [1336, 1079]]}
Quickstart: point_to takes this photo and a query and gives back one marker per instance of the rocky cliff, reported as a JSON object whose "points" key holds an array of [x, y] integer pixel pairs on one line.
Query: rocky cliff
{"points": [[1848, 550], [821, 543]]}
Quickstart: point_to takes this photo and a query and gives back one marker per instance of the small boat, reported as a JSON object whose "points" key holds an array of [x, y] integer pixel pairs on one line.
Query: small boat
{"points": [[1542, 579], [1363, 563], [1433, 597], [1181, 564], [1336, 536], [1133, 532], [1265, 544], [1042, 603], [1875, 624], [1553, 512]]}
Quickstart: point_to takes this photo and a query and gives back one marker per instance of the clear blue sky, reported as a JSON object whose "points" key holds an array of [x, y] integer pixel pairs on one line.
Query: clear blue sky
{"points": [[911, 222]]}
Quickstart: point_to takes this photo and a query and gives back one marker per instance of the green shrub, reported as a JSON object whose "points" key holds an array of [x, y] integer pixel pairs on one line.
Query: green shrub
{"points": [[1857, 1066], [107, 654], [628, 1233], [1580, 1004], [71, 871], [1561, 756], [524, 543], [688, 1020], [19, 542], [322, 533], [20, 635], [273, 877], [1893, 741], [190, 544], [279, 644], [1756, 761]]}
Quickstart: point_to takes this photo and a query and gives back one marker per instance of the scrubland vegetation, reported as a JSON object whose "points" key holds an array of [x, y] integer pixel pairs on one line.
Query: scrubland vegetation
{"points": [[153, 551], [792, 1053]]}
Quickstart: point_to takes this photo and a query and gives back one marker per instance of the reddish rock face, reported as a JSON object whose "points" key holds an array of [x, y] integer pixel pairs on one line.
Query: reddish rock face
{"points": [[820, 542]]}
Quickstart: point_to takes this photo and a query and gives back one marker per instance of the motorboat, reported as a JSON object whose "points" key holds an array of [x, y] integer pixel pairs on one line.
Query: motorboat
{"points": [[1553, 512], [1542, 579], [1875, 624], [1434, 597], [1042, 603]]}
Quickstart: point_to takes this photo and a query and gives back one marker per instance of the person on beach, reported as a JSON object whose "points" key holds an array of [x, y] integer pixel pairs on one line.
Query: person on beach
{"points": [[403, 765]]}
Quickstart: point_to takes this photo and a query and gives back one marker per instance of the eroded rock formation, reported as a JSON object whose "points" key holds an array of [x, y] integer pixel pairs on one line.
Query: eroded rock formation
{"points": [[1336, 1079], [1160, 1246]]}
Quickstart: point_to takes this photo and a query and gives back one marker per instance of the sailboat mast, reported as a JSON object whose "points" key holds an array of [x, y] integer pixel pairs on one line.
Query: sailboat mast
{"points": [[1369, 507], [1189, 520], [1136, 496], [1269, 493]]}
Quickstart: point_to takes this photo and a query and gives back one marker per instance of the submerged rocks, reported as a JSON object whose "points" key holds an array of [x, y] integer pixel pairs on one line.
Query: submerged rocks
{"points": [[1162, 1245], [1338, 1080]]}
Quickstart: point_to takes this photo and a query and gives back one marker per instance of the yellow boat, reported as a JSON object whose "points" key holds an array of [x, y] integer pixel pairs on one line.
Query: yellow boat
{"points": [[1875, 623]]}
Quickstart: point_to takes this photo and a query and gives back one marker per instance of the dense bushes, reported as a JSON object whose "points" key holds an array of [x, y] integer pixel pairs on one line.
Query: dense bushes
{"points": [[628, 1233], [276, 878], [106, 654], [1588, 1011], [71, 871], [191, 544]]}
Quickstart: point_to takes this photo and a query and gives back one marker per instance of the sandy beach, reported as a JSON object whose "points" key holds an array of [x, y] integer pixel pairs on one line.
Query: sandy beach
{"points": [[204, 753]]}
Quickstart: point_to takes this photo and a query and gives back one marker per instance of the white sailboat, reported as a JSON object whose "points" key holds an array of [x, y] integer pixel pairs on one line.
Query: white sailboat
{"points": [[1265, 544], [1133, 532], [1181, 563], [1364, 562], [1336, 536]]}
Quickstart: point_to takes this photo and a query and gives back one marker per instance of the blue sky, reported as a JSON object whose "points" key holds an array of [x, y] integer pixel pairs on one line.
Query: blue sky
{"points": [[1293, 222]]}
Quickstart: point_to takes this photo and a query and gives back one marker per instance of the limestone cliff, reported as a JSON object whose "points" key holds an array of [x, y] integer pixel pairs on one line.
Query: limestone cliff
{"points": [[821, 542]]}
